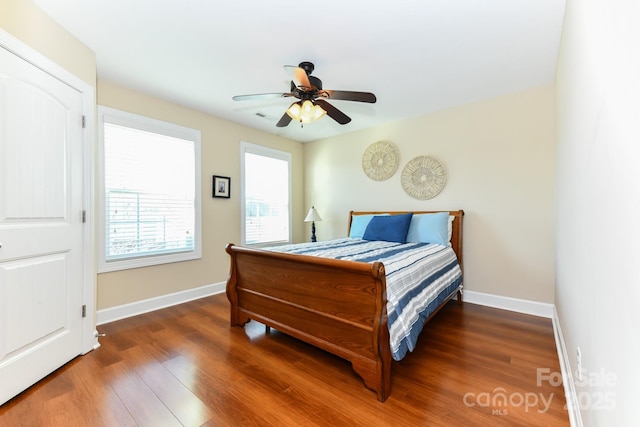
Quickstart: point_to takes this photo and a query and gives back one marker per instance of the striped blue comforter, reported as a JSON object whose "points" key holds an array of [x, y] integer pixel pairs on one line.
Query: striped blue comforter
{"points": [[419, 277]]}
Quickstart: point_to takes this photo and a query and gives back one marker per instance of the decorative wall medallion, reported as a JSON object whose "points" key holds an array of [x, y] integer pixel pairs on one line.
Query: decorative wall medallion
{"points": [[380, 160], [423, 177]]}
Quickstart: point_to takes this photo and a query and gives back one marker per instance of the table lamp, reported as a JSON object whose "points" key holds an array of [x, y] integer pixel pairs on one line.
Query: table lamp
{"points": [[312, 217]]}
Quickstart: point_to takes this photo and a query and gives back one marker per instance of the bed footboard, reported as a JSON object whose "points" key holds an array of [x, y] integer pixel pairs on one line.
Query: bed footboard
{"points": [[337, 305]]}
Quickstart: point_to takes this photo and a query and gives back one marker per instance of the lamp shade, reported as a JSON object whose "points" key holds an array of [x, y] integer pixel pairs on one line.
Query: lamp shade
{"points": [[313, 215], [305, 112]]}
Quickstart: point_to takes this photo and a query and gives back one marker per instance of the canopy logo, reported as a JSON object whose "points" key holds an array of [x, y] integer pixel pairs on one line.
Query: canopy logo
{"points": [[599, 395]]}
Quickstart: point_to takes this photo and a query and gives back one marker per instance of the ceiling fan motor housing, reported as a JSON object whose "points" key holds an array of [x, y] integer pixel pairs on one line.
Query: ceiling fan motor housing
{"points": [[315, 82], [307, 66]]}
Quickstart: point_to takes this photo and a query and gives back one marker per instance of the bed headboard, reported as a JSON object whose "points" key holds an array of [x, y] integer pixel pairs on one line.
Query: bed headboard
{"points": [[456, 226]]}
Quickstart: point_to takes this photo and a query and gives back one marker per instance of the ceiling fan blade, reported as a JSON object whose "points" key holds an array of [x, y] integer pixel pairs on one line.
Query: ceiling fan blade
{"points": [[347, 95], [299, 76], [261, 96], [333, 112], [284, 120]]}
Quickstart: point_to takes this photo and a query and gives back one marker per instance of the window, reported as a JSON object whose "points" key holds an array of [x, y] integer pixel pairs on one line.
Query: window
{"points": [[266, 195], [149, 192]]}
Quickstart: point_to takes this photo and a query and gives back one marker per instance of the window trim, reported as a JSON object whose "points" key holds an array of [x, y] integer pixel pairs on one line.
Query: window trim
{"points": [[246, 147], [123, 118]]}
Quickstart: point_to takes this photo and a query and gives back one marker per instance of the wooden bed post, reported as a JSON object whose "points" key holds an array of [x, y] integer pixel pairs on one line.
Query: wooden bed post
{"points": [[377, 375], [232, 295]]}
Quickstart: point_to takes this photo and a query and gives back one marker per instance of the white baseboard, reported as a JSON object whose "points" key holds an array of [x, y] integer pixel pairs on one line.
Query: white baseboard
{"points": [[534, 308], [127, 310], [575, 419]]}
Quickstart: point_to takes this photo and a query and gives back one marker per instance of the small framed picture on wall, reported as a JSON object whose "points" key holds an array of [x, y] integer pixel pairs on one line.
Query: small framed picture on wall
{"points": [[221, 186]]}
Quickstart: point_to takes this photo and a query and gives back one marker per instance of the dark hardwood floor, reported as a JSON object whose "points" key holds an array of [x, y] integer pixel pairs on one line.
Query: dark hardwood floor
{"points": [[184, 365]]}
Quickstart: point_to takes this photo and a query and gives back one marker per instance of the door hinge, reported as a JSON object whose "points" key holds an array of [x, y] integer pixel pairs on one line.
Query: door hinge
{"points": [[84, 216], [84, 310], [84, 121]]}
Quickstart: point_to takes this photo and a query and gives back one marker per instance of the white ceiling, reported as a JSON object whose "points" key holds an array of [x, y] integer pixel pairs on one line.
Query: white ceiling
{"points": [[417, 56]]}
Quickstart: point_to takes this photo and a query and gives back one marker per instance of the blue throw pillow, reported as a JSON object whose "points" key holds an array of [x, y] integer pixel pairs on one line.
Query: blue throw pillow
{"points": [[359, 225], [429, 228], [392, 228]]}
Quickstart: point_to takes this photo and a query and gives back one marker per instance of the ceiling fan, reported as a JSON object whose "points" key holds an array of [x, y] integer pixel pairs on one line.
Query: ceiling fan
{"points": [[312, 103]]}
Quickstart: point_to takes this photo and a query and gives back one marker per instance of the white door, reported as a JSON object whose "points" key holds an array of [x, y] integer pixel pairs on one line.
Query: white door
{"points": [[40, 224]]}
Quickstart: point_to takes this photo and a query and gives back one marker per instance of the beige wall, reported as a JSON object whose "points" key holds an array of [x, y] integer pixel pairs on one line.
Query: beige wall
{"points": [[500, 158], [220, 217], [25, 21], [598, 238]]}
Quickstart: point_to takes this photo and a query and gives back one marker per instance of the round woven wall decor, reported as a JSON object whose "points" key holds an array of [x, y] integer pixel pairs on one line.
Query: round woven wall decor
{"points": [[423, 177], [380, 160]]}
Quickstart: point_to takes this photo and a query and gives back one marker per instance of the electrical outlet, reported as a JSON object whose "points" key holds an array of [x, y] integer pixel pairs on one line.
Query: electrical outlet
{"points": [[579, 363]]}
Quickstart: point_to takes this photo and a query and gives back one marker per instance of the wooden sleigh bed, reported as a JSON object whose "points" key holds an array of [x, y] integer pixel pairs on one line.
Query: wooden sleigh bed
{"points": [[337, 305]]}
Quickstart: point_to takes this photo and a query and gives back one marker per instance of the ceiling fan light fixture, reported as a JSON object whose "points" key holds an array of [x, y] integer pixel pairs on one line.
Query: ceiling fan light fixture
{"points": [[305, 111]]}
